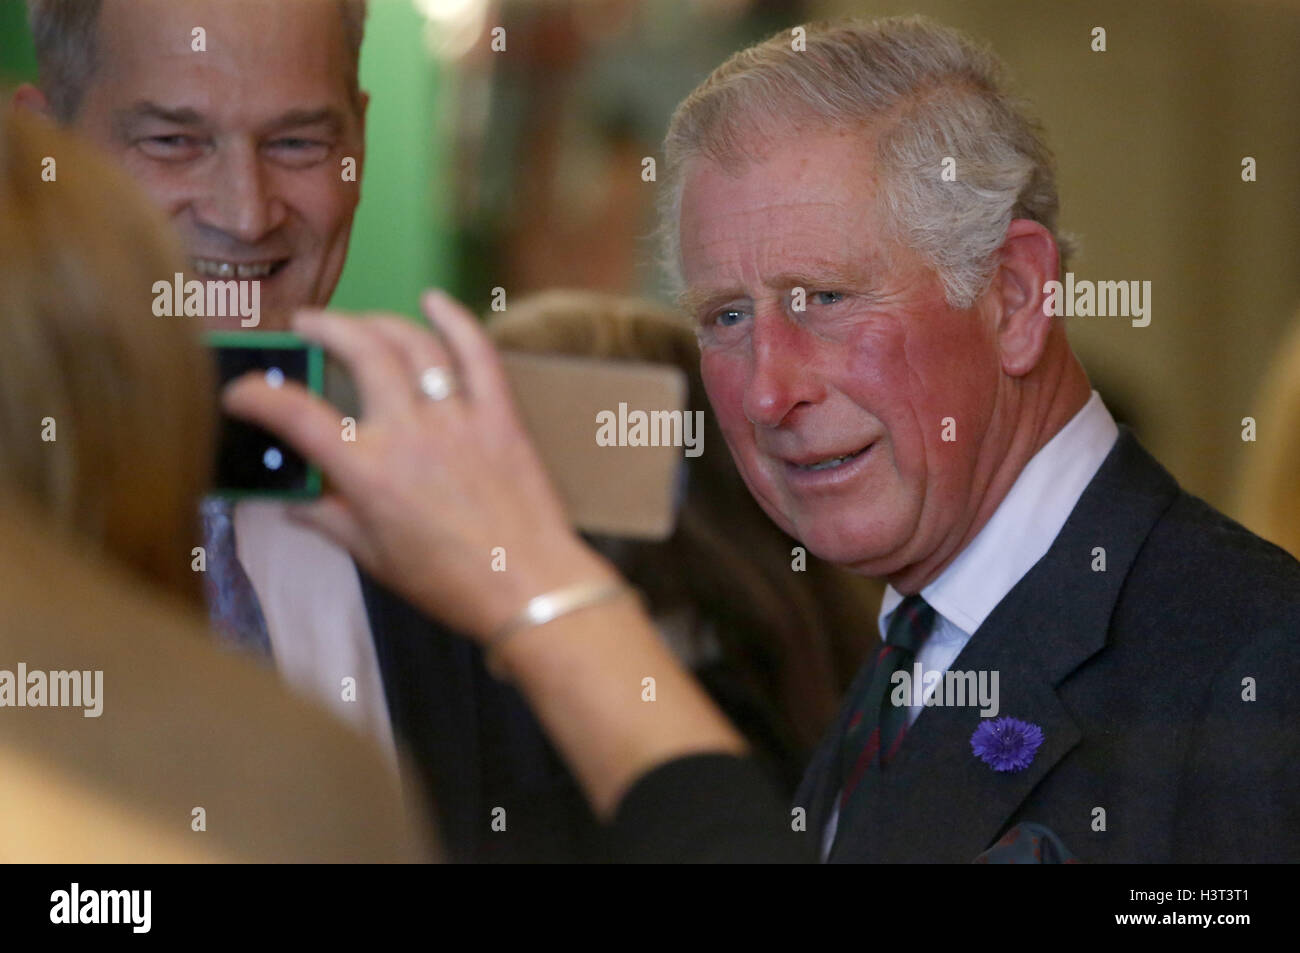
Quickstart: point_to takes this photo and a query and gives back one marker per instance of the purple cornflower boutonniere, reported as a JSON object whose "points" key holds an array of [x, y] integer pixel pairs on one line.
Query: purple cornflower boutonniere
{"points": [[1006, 744]]}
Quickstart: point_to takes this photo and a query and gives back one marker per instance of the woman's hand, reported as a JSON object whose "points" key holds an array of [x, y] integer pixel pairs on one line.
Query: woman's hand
{"points": [[431, 492], [427, 492]]}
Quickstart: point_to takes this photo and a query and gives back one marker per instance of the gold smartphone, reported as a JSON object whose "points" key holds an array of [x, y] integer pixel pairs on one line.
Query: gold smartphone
{"points": [[613, 436]]}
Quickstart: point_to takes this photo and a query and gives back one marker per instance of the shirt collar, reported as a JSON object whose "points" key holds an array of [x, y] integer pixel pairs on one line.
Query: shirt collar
{"points": [[1023, 527]]}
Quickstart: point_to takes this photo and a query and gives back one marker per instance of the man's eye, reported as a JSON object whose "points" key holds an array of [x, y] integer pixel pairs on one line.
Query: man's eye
{"points": [[175, 146], [827, 297], [722, 327], [297, 150]]}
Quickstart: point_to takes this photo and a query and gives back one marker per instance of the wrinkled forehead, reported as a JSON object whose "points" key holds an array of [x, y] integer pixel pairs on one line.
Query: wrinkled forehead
{"points": [[811, 198], [224, 56]]}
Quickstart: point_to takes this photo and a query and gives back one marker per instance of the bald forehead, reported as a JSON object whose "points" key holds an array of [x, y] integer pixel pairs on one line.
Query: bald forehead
{"points": [[233, 46]]}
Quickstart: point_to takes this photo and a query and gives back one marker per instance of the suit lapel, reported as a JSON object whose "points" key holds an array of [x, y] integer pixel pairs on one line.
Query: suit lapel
{"points": [[936, 801]]}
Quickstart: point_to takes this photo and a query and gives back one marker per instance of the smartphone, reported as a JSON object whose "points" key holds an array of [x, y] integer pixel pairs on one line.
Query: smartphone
{"points": [[629, 491], [251, 461]]}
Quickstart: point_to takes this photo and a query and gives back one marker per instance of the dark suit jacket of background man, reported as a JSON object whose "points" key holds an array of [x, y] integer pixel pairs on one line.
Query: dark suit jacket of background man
{"points": [[476, 745], [1135, 676]]}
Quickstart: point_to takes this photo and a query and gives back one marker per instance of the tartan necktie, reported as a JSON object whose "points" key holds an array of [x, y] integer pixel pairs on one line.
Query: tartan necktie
{"points": [[232, 602], [877, 726]]}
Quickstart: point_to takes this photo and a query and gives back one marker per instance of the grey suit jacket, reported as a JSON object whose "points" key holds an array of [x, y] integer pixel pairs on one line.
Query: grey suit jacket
{"points": [[1158, 745]]}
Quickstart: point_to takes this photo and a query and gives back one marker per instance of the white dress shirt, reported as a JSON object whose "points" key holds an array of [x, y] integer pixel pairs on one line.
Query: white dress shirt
{"points": [[310, 595], [1017, 535]]}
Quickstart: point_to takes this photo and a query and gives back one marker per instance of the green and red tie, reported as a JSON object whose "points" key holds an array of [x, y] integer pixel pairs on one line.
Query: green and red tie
{"points": [[877, 726]]}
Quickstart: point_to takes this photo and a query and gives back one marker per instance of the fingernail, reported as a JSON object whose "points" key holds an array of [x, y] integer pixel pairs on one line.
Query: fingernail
{"points": [[223, 396]]}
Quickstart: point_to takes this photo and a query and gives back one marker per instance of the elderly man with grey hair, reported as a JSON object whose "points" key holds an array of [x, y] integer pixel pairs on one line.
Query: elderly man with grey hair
{"points": [[866, 227], [1080, 660]]}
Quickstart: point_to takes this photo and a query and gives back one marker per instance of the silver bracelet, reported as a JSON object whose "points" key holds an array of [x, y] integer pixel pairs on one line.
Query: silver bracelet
{"points": [[550, 606]]}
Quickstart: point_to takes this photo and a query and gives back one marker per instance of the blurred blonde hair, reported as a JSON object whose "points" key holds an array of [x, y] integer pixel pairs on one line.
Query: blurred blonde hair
{"points": [[796, 638], [1268, 488], [127, 395]]}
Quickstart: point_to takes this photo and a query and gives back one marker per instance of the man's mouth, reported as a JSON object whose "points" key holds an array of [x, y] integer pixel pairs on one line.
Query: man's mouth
{"points": [[243, 270], [830, 463]]}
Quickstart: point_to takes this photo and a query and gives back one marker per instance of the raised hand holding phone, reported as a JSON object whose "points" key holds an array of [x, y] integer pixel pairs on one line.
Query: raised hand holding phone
{"points": [[426, 490], [437, 480]]}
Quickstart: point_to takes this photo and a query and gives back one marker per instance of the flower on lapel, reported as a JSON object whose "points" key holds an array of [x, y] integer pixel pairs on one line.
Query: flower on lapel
{"points": [[1006, 744]]}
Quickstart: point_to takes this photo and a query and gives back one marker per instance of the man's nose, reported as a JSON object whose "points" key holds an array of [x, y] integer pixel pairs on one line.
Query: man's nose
{"points": [[782, 377], [240, 200]]}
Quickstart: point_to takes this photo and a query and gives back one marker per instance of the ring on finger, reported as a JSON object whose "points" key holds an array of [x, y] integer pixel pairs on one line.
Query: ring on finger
{"points": [[437, 383]]}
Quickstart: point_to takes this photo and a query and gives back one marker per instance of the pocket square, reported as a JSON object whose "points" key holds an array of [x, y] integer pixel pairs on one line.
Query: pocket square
{"points": [[1027, 843]]}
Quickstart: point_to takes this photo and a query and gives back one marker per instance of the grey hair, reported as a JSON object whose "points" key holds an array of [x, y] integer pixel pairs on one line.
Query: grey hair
{"points": [[64, 33], [926, 92]]}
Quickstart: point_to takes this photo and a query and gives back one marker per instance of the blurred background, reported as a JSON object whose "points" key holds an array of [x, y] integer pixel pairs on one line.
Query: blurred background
{"points": [[521, 169]]}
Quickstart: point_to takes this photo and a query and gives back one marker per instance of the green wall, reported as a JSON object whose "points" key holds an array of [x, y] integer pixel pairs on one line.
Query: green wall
{"points": [[17, 62], [400, 244]]}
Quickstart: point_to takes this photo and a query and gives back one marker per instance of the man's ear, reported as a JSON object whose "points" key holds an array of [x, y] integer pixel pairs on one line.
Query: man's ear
{"points": [[361, 154], [31, 100], [1029, 259]]}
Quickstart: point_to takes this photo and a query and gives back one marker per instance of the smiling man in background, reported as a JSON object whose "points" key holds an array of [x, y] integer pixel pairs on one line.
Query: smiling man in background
{"points": [[241, 120], [237, 118]]}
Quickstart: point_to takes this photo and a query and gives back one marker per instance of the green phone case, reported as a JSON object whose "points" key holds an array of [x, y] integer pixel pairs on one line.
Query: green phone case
{"points": [[315, 383]]}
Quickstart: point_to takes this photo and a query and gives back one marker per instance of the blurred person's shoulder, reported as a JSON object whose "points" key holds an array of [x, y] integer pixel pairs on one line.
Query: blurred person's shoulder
{"points": [[192, 754]]}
